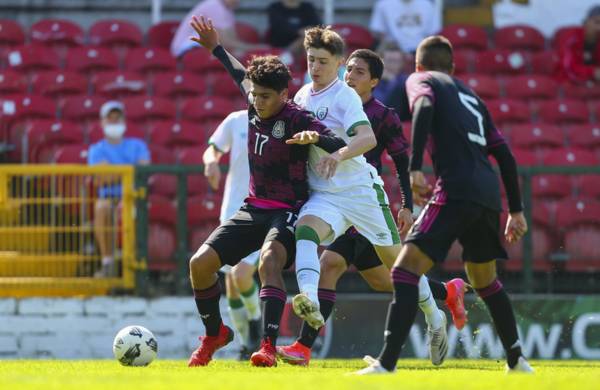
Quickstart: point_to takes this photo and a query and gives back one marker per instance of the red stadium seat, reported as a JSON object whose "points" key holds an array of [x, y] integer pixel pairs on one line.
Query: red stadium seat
{"points": [[12, 83], [179, 84], [202, 209], [295, 84], [173, 134], [566, 157], [91, 60], [464, 61], [584, 136], [464, 36], [161, 34], [355, 35], [486, 87], [133, 130], [25, 107], [44, 137], [161, 155], [274, 51], [564, 111], [542, 247], [149, 60], [247, 33], [71, 154], [163, 184], [563, 33], [544, 62], [11, 33], [59, 83], [191, 156], [529, 136], [525, 157], [581, 220], [587, 90], [509, 111], [201, 61], [162, 239], [589, 186], [531, 87], [551, 186], [82, 108], [57, 32], [204, 109], [144, 109], [32, 58], [118, 84], [502, 62], [224, 86], [115, 32], [519, 37]]}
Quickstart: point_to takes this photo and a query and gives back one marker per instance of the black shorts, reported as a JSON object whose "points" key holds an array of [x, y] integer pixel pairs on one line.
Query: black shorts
{"points": [[477, 229], [357, 250], [249, 229]]}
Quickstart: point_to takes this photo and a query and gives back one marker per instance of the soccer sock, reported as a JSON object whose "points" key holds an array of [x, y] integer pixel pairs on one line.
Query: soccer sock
{"points": [[438, 289], [308, 334], [274, 301], [400, 317], [237, 313], [433, 317], [308, 268], [251, 302], [501, 311], [207, 302]]}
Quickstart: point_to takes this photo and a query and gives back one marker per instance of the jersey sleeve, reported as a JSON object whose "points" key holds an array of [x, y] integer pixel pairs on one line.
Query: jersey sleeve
{"points": [[417, 85], [222, 138], [351, 108], [95, 155], [394, 140]]}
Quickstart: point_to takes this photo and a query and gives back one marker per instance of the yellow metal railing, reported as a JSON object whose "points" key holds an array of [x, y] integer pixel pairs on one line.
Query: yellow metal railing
{"points": [[66, 230]]}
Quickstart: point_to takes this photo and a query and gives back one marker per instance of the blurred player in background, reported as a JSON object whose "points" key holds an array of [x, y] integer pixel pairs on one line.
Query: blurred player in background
{"points": [[465, 205], [242, 291]]}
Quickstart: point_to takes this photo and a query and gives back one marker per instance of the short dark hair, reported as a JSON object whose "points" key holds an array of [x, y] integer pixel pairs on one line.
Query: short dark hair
{"points": [[269, 72], [435, 53], [324, 38], [372, 59]]}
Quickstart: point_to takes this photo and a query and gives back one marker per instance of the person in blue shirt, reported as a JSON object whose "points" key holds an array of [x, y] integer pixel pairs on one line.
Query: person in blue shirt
{"points": [[114, 149]]}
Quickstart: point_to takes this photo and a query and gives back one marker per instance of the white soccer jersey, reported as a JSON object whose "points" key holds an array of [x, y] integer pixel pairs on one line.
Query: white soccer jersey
{"points": [[232, 137], [339, 108]]}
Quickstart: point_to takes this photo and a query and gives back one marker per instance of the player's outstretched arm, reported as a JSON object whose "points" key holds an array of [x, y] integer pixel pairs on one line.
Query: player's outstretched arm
{"points": [[208, 37]]}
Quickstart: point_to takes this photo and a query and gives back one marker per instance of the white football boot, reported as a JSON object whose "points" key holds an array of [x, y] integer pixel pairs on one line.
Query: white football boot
{"points": [[522, 366], [374, 367], [437, 339]]}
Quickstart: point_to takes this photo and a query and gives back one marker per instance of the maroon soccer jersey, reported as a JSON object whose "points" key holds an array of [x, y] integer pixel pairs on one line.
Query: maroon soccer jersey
{"points": [[278, 171], [388, 131]]}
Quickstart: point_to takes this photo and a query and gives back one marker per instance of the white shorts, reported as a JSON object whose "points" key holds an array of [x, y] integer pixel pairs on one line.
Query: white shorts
{"points": [[366, 208], [251, 259]]}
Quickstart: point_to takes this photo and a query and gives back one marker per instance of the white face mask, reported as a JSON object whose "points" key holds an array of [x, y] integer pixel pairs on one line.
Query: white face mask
{"points": [[114, 130]]}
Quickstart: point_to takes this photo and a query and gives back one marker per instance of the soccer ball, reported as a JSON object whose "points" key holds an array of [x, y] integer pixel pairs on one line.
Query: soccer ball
{"points": [[135, 346]]}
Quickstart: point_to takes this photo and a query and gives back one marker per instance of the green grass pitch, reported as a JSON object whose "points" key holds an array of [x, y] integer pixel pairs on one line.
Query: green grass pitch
{"points": [[323, 374]]}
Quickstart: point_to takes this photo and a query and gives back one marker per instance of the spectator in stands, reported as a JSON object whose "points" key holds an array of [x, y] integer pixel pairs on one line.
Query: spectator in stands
{"points": [[391, 88], [221, 12], [405, 22], [113, 149], [579, 52], [287, 21]]}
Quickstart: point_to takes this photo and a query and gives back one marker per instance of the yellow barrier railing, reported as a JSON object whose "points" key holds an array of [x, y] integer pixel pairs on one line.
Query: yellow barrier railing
{"points": [[66, 230]]}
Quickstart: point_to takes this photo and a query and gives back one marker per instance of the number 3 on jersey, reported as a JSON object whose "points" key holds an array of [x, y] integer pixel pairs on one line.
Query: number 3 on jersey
{"points": [[261, 140], [471, 103]]}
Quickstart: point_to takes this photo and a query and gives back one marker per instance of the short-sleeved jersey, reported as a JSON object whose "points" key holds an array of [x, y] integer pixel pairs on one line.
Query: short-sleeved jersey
{"points": [[130, 151], [231, 136], [339, 108], [278, 171], [462, 131], [388, 131]]}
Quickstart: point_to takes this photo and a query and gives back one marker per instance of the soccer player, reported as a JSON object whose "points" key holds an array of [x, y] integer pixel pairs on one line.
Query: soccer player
{"points": [[279, 132], [231, 136], [363, 71], [465, 204], [354, 196]]}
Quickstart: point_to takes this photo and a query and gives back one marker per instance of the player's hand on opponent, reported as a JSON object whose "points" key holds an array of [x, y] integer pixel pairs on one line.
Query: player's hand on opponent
{"points": [[405, 221], [304, 138], [327, 165], [516, 227], [420, 188], [207, 34], [213, 174]]}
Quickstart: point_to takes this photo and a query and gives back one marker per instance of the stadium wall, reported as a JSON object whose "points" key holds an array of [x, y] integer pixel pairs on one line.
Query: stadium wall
{"points": [[561, 328]]}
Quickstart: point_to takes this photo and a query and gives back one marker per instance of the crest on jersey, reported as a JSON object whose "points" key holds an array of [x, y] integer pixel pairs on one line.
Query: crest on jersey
{"points": [[322, 113], [278, 129]]}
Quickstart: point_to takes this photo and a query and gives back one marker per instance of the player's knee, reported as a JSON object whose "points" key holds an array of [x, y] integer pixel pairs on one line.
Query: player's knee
{"points": [[270, 262], [481, 275], [201, 260], [241, 272], [332, 265]]}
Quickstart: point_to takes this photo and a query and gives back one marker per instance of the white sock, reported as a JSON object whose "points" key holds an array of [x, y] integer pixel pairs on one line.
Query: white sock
{"points": [[427, 304], [308, 269], [239, 320], [251, 302]]}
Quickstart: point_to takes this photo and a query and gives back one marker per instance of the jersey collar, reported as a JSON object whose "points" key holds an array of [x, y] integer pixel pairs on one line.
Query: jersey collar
{"points": [[313, 93]]}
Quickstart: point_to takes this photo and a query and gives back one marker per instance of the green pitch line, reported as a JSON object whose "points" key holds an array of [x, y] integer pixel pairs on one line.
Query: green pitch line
{"points": [[323, 374]]}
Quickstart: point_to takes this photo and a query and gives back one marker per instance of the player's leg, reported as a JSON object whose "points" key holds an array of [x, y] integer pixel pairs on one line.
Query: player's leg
{"points": [[243, 278], [103, 221], [237, 312]]}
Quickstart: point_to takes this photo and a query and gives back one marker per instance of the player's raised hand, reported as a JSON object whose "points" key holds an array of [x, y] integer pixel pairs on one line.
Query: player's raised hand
{"points": [[405, 221], [213, 174], [207, 34], [304, 138], [327, 165], [516, 227]]}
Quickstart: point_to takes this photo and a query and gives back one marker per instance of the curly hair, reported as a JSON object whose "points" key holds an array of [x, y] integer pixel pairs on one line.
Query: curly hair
{"points": [[269, 72], [324, 38]]}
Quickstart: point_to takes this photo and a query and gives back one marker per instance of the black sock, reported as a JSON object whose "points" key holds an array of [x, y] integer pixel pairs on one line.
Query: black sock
{"points": [[438, 289], [207, 302], [400, 317], [274, 303], [500, 308], [308, 334]]}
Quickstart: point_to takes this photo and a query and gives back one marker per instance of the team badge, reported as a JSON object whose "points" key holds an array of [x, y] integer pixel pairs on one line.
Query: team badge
{"points": [[279, 129], [322, 113]]}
